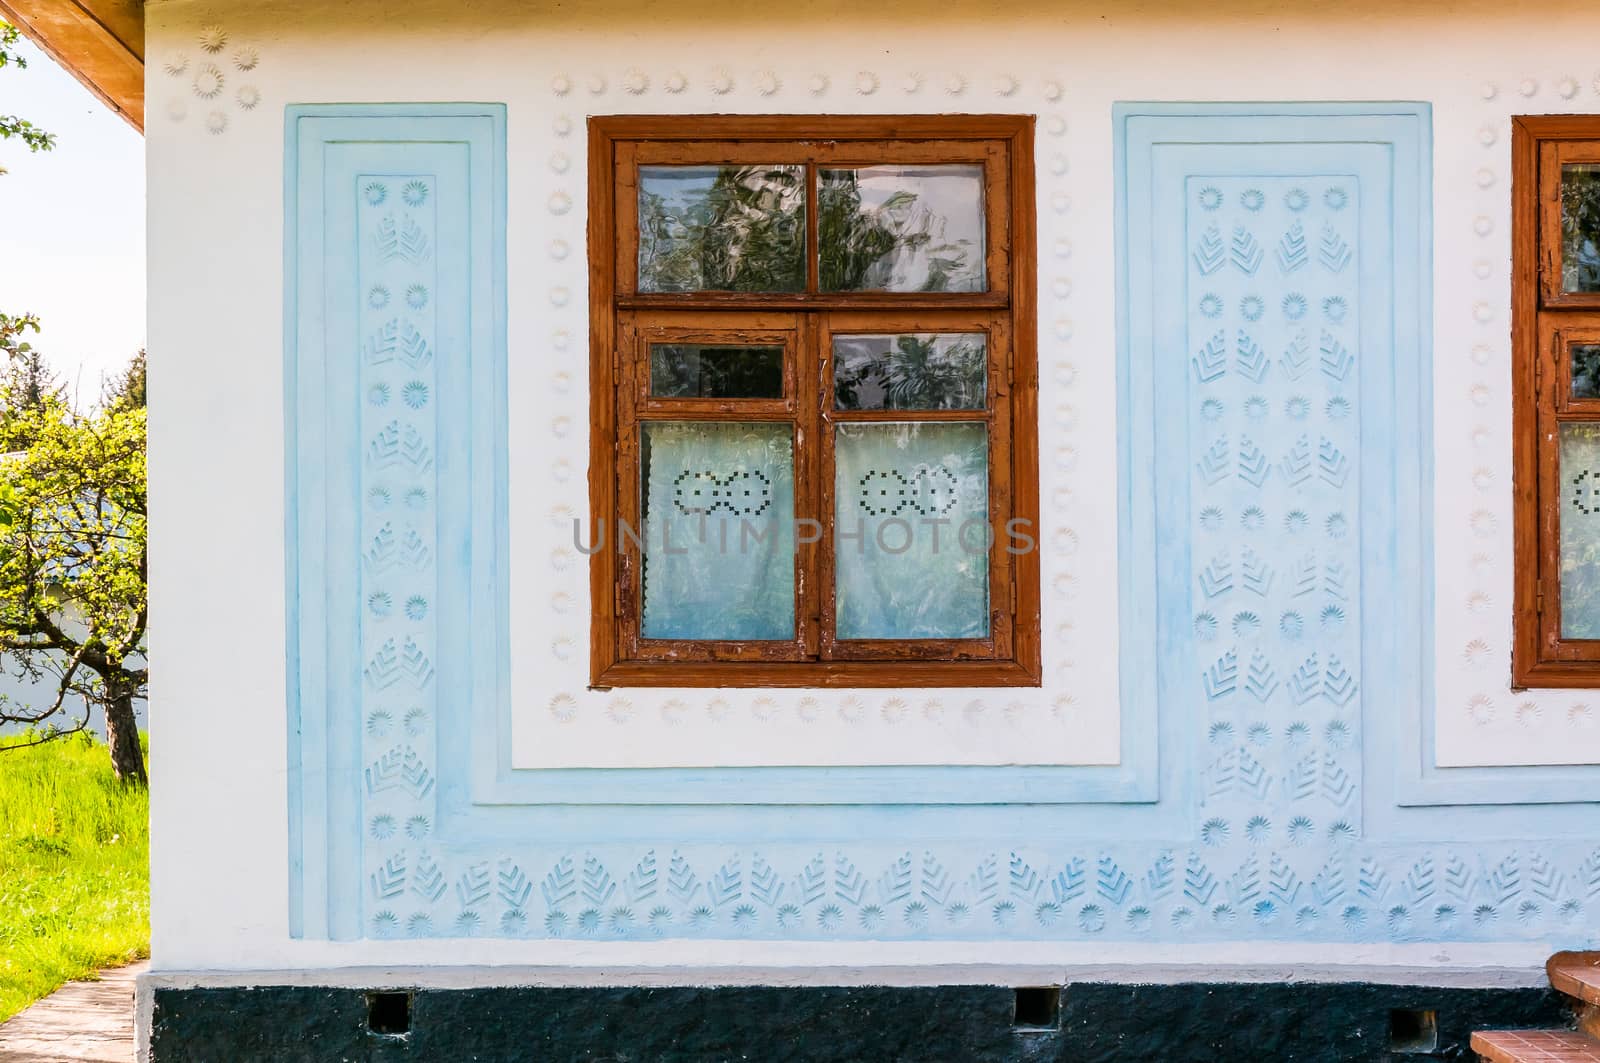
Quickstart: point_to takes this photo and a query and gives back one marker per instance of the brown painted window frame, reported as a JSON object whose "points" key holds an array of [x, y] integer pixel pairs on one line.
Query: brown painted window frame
{"points": [[1544, 321], [622, 319]]}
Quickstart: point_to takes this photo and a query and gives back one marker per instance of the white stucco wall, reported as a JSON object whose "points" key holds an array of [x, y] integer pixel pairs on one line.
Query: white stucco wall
{"points": [[220, 874]]}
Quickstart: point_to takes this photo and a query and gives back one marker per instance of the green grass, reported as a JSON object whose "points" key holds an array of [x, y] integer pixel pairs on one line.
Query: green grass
{"points": [[74, 868]]}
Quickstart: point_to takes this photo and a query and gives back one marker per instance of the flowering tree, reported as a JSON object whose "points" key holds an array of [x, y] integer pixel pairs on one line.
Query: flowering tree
{"points": [[73, 607], [73, 556]]}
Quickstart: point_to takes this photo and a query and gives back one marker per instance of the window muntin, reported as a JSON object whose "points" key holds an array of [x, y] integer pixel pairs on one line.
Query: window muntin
{"points": [[908, 376]]}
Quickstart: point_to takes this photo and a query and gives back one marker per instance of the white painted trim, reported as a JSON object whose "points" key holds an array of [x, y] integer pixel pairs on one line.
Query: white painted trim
{"points": [[430, 977], [437, 964], [977, 974]]}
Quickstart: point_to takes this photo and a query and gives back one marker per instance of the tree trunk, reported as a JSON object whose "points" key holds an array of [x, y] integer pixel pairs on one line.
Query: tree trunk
{"points": [[122, 735]]}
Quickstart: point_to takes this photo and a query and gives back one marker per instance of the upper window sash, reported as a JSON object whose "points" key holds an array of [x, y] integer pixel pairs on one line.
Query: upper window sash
{"points": [[814, 156]]}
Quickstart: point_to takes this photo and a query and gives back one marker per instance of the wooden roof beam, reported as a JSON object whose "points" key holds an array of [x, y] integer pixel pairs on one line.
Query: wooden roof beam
{"points": [[100, 42]]}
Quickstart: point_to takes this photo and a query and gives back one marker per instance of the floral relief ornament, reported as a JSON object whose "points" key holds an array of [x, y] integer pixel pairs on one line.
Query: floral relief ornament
{"points": [[210, 81]]}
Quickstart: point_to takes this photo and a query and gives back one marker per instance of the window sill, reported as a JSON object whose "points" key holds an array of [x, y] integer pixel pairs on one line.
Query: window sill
{"points": [[1562, 675], [818, 674]]}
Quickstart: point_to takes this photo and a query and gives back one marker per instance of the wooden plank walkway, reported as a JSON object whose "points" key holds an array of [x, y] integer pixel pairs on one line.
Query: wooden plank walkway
{"points": [[82, 1022]]}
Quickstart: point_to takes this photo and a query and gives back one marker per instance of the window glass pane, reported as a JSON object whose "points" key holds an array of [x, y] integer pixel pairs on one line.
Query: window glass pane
{"points": [[1580, 530], [715, 371], [911, 510], [902, 229], [910, 372], [1580, 227], [722, 228], [718, 530], [1585, 370]]}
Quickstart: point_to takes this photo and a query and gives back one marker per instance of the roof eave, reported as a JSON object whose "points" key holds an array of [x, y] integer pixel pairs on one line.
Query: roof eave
{"points": [[100, 42]]}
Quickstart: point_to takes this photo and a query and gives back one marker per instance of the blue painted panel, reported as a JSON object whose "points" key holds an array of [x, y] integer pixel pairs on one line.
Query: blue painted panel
{"points": [[1265, 445], [1264, 830], [396, 326]]}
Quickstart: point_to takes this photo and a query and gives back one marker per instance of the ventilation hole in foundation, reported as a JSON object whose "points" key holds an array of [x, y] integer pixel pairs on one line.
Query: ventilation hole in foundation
{"points": [[1037, 1008], [1413, 1030], [389, 1014]]}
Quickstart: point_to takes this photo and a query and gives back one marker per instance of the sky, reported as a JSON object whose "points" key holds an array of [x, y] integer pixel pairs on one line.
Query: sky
{"points": [[72, 225]]}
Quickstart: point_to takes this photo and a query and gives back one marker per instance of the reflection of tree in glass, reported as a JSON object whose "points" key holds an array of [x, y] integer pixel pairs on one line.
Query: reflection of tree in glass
{"points": [[1586, 371], [861, 245], [921, 373], [745, 233], [1580, 228]]}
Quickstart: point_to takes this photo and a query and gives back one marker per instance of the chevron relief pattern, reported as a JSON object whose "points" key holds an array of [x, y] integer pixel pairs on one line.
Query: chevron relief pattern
{"points": [[395, 445], [398, 486], [1255, 574], [1222, 678], [1335, 358], [1214, 463], [1276, 543], [402, 240], [1244, 252], [1293, 251], [1262, 679], [382, 344], [399, 769], [414, 348], [1253, 466], [1209, 254], [391, 663], [1332, 466], [1211, 362], [1333, 252], [1232, 889], [1216, 578], [1251, 359], [1297, 356], [1296, 463]]}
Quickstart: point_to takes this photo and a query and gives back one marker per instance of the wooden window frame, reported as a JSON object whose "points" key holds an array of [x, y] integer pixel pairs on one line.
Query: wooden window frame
{"points": [[622, 321], [1544, 320]]}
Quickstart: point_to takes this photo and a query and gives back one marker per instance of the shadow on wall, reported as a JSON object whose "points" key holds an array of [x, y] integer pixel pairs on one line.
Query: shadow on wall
{"points": [[692, 16]]}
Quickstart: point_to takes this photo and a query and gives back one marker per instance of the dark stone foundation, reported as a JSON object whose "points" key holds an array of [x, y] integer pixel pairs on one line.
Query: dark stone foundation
{"points": [[1322, 1022]]}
